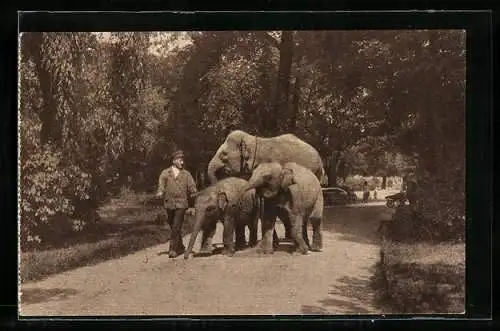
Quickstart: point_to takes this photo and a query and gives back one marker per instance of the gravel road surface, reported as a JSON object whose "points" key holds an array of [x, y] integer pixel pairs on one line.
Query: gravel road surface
{"points": [[335, 281]]}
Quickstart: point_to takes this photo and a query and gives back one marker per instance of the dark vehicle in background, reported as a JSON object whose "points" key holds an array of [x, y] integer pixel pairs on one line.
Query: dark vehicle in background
{"points": [[338, 195], [351, 196], [395, 200], [408, 195]]}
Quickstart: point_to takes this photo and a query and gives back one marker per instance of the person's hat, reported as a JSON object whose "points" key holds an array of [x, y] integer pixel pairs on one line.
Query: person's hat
{"points": [[177, 154]]}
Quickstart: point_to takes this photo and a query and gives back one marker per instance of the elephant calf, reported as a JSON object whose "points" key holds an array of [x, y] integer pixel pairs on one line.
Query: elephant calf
{"points": [[292, 191], [225, 201]]}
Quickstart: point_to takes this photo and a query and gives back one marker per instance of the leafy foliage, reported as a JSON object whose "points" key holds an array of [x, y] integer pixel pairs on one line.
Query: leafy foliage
{"points": [[50, 188]]}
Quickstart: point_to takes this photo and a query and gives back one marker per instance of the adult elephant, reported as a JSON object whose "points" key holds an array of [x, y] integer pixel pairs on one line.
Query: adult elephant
{"points": [[242, 152], [295, 192], [227, 200]]}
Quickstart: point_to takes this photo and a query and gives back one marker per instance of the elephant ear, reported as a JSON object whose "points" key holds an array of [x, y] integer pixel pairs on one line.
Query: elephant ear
{"points": [[222, 200], [223, 156], [287, 178], [244, 150]]}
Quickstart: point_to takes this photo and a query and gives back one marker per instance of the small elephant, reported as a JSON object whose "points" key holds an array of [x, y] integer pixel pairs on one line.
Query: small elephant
{"points": [[291, 191], [225, 201]]}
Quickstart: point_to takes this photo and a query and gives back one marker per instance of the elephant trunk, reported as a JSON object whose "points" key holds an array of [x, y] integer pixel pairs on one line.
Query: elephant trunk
{"points": [[200, 217], [214, 165], [254, 183]]}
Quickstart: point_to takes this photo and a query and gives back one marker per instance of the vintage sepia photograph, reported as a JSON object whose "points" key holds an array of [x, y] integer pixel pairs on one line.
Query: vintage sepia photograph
{"points": [[202, 173]]}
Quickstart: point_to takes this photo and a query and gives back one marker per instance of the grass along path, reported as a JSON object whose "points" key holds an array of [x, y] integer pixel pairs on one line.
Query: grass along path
{"points": [[424, 277], [127, 226]]}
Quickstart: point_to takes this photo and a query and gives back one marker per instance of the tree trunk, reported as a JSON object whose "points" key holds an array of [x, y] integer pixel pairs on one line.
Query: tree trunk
{"points": [[263, 108], [281, 98], [187, 115], [50, 129], [333, 167], [332, 175], [248, 113], [295, 106], [384, 182]]}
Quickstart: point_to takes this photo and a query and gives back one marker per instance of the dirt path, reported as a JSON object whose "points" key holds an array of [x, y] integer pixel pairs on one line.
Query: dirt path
{"points": [[335, 281]]}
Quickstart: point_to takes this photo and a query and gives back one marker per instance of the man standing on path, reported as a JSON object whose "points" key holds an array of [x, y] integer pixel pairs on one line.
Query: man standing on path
{"points": [[366, 192], [176, 186]]}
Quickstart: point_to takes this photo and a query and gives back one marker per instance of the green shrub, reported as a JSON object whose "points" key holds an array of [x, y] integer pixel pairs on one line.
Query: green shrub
{"points": [[423, 278], [441, 202], [411, 224], [48, 192]]}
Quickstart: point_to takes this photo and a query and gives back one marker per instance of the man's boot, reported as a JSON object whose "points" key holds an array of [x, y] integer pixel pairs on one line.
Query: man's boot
{"points": [[206, 247], [171, 250], [180, 249]]}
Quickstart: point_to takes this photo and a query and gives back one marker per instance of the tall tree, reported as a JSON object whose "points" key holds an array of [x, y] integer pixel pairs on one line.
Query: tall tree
{"points": [[127, 83], [282, 109], [57, 59], [204, 53]]}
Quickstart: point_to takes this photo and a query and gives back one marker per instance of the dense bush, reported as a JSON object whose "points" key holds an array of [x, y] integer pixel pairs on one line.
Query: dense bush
{"points": [[423, 278], [410, 224], [426, 289], [49, 191], [437, 213], [443, 208]]}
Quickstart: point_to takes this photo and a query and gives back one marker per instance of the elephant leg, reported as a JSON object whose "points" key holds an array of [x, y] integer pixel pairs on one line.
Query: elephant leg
{"points": [[228, 236], [316, 219], [317, 244], [298, 221], [268, 221], [284, 215], [240, 236], [276, 240], [285, 219], [252, 227], [288, 227], [266, 245], [304, 234], [204, 241], [208, 234]]}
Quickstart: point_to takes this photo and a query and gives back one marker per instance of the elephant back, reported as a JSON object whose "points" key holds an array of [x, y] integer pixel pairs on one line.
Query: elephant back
{"points": [[288, 148], [232, 186]]}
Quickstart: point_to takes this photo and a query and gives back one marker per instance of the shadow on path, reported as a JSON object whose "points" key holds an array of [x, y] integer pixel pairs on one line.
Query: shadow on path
{"points": [[353, 295], [37, 295], [358, 224]]}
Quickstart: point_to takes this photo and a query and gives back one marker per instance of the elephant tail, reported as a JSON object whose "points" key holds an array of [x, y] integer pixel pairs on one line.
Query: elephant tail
{"points": [[323, 178]]}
